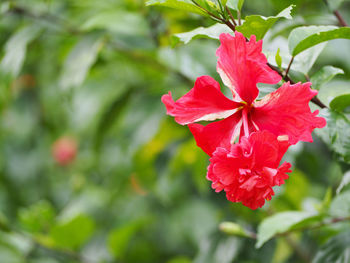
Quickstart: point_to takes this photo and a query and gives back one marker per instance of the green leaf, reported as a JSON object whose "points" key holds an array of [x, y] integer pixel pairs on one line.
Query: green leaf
{"points": [[278, 58], [304, 62], [180, 259], [280, 223], [259, 25], [340, 206], [235, 229], [212, 32], [192, 60], [193, 221], [120, 22], [38, 217], [182, 5], [293, 193], [119, 238], [79, 61], [4, 7], [336, 134], [337, 250], [324, 75], [334, 4], [344, 182], [16, 49], [235, 4], [305, 37], [124, 29], [73, 233], [111, 114], [283, 251], [327, 199], [340, 103], [210, 6], [4, 223], [10, 255], [190, 158], [226, 251], [333, 89]]}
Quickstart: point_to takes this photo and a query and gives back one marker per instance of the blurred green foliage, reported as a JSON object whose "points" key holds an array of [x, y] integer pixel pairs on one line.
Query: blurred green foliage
{"points": [[136, 190]]}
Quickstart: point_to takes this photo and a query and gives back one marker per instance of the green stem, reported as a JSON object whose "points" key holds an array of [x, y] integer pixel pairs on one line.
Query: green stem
{"points": [[208, 12], [285, 77], [319, 225], [221, 8], [221, 20]]}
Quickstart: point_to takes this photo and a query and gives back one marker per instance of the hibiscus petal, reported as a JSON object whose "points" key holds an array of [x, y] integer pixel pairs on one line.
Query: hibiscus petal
{"points": [[249, 178], [268, 149], [205, 102], [216, 134], [282, 173], [241, 65], [222, 166], [286, 111]]}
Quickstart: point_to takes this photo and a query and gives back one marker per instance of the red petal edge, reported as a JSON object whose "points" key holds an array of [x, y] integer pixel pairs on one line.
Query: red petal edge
{"points": [[205, 102]]}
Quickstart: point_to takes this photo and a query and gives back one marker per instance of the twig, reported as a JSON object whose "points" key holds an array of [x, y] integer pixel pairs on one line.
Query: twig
{"points": [[208, 12], [300, 252], [239, 17], [314, 100], [341, 20], [319, 225], [224, 21], [329, 222], [228, 23], [289, 65], [231, 16]]}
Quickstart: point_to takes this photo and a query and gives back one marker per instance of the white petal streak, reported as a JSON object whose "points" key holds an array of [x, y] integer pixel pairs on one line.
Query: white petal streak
{"points": [[226, 80], [236, 131], [218, 115]]}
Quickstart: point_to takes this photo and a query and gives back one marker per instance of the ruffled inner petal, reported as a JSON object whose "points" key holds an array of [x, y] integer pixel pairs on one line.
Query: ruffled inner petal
{"points": [[249, 178]]}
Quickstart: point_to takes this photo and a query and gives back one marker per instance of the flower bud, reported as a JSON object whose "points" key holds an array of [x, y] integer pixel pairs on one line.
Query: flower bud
{"points": [[64, 150]]}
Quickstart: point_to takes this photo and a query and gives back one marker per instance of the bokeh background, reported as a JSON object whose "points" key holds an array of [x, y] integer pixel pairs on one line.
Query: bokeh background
{"points": [[92, 170]]}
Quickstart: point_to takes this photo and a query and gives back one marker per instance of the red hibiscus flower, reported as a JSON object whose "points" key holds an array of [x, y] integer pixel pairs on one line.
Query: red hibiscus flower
{"points": [[249, 169], [241, 65]]}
